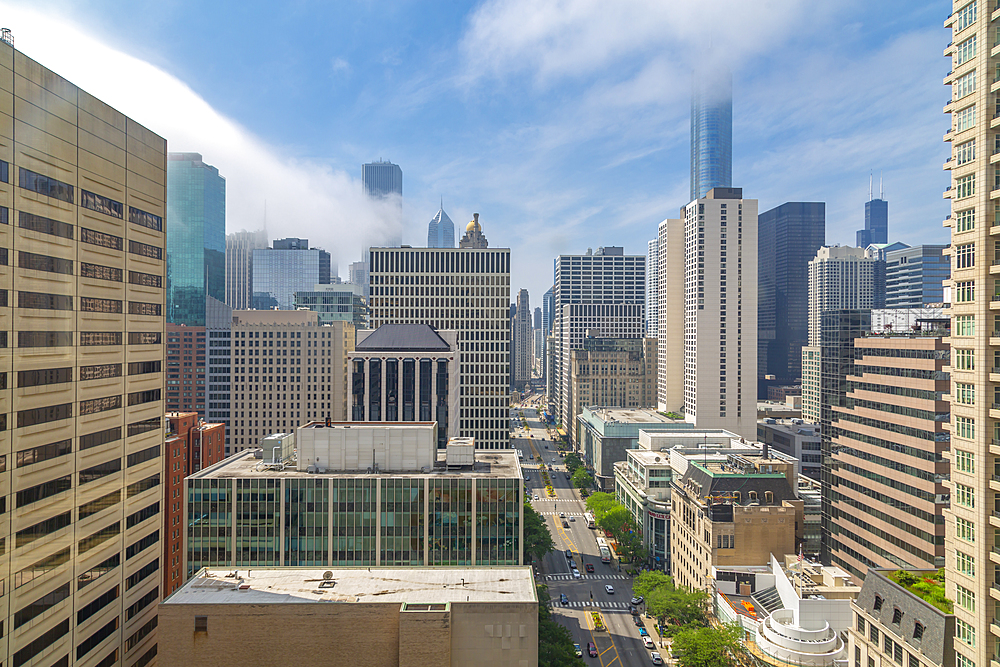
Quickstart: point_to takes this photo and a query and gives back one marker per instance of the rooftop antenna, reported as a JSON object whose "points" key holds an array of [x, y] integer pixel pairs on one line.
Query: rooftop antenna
{"points": [[870, 177], [880, 191]]}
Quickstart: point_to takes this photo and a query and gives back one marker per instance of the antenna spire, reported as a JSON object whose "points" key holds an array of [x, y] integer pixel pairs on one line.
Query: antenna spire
{"points": [[870, 177], [880, 191]]}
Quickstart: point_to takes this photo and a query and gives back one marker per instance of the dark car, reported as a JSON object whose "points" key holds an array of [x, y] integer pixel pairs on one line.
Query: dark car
{"points": [[563, 599], [592, 649], [567, 475], [633, 610], [565, 524], [569, 553], [589, 567], [638, 621]]}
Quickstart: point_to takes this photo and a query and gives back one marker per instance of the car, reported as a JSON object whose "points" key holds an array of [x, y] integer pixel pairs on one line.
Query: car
{"points": [[567, 475], [634, 611], [648, 643], [572, 564], [637, 620], [589, 567], [572, 518], [643, 632], [531, 457], [536, 496], [637, 599], [609, 589], [576, 573], [565, 524], [546, 446], [577, 650], [563, 599], [569, 553], [592, 649], [562, 515], [655, 657]]}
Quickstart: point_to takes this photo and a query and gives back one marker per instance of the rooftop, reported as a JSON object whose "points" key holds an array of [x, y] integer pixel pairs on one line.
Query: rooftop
{"points": [[632, 416], [498, 463], [649, 458], [399, 337], [928, 585], [411, 585]]}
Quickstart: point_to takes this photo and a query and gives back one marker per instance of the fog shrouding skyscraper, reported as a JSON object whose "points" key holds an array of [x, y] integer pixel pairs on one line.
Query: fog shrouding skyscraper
{"points": [[464, 289], [711, 132], [441, 231], [196, 237], [82, 302], [788, 237], [239, 267], [384, 180]]}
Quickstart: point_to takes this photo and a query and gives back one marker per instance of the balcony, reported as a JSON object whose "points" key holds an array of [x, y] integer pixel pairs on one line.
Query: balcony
{"points": [[995, 627], [995, 554], [948, 164], [948, 192], [995, 483], [995, 591], [995, 519]]}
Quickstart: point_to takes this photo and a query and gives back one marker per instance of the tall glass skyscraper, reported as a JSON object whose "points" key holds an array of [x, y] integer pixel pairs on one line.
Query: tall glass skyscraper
{"points": [[711, 133], [876, 223], [441, 231], [383, 180], [196, 237]]}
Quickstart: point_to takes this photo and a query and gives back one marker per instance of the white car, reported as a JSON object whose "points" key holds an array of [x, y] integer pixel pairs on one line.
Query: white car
{"points": [[655, 657], [576, 573], [610, 589], [647, 642]]}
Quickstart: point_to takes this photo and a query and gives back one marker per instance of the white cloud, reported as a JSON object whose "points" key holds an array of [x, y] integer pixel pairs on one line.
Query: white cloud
{"points": [[302, 198], [338, 65]]}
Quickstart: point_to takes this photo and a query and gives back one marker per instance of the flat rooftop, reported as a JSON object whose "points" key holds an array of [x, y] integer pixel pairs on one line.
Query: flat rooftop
{"points": [[412, 585], [649, 457], [633, 416], [489, 463]]}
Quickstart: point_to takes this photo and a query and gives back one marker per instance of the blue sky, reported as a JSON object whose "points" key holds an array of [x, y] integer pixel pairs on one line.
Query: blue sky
{"points": [[563, 123]]}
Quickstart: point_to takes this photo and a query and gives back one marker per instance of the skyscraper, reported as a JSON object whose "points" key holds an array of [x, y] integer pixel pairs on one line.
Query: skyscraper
{"points": [[441, 231], [196, 237], [465, 289], [607, 278], [383, 180], [523, 341], [915, 276], [719, 341], [975, 430], [239, 266], [876, 220], [788, 237], [82, 429], [290, 266], [548, 313], [652, 288], [537, 318], [711, 132]]}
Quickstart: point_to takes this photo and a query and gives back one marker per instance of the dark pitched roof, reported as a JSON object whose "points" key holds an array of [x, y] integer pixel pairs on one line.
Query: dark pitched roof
{"points": [[403, 337], [723, 485]]}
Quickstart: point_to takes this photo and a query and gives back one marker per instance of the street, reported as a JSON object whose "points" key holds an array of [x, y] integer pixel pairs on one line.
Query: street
{"points": [[620, 644]]}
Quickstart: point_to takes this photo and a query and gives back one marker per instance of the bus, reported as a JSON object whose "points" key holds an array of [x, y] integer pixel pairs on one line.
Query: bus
{"points": [[602, 544], [589, 518]]}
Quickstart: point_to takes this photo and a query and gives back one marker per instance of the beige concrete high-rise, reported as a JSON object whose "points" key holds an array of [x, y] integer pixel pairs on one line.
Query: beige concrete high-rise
{"points": [[82, 203], [970, 532], [287, 369]]}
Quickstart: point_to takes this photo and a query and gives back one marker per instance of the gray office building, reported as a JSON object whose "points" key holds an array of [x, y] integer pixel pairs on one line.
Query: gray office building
{"points": [[914, 277], [788, 237], [288, 267], [218, 331]]}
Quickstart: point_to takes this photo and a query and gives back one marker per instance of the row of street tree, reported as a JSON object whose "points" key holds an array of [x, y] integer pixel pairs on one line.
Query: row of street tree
{"points": [[616, 520]]}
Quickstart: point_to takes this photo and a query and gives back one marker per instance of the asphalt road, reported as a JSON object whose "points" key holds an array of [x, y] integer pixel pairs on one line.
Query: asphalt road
{"points": [[620, 645]]}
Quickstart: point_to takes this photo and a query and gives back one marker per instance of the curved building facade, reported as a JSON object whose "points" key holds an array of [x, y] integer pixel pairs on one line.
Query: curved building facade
{"points": [[711, 133]]}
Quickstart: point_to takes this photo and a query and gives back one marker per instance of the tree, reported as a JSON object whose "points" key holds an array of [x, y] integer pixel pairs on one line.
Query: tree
{"points": [[537, 538], [647, 582], [572, 461], [683, 606], [599, 503], [707, 647], [582, 479]]}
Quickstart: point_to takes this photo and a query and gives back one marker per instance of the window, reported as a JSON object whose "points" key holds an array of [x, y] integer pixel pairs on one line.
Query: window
{"points": [[965, 152], [965, 291], [41, 529], [88, 644], [100, 338], [144, 338], [965, 632], [42, 567], [965, 256], [101, 272], [103, 404], [100, 371], [32, 455], [101, 239], [965, 186], [44, 301], [97, 604], [136, 578], [101, 204], [965, 394], [134, 519], [45, 185], [100, 504], [41, 605], [140, 397], [95, 473], [962, 661], [897, 615], [139, 217], [44, 338], [965, 461], [877, 606], [101, 536], [143, 367], [145, 250], [965, 495], [965, 530], [93, 305], [965, 598], [29, 260], [965, 51], [44, 415], [964, 85], [38, 645], [918, 630], [142, 485], [140, 308], [141, 545], [965, 325], [100, 437], [98, 571], [135, 428], [143, 456], [966, 17], [201, 623], [965, 427], [144, 279], [873, 634], [965, 119], [965, 221], [43, 377], [861, 624], [143, 602], [965, 564]]}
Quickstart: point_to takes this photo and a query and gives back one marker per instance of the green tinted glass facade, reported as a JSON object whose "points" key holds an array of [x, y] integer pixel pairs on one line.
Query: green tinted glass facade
{"points": [[196, 237], [343, 521]]}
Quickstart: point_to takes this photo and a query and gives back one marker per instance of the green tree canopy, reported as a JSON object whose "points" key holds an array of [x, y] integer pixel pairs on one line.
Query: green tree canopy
{"points": [[646, 582], [707, 647], [582, 479], [682, 606], [537, 538], [599, 503], [572, 461]]}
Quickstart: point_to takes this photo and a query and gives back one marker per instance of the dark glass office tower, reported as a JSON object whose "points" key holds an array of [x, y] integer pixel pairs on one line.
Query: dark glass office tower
{"points": [[196, 237], [876, 223], [711, 132], [384, 180], [788, 237]]}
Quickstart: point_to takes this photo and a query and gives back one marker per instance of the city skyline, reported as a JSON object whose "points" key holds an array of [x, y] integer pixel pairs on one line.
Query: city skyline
{"points": [[545, 169]]}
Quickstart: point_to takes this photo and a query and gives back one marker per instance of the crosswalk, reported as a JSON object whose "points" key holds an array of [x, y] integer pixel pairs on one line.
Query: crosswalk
{"points": [[565, 577], [568, 514], [604, 605]]}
